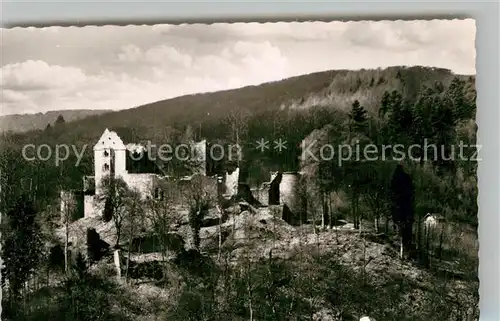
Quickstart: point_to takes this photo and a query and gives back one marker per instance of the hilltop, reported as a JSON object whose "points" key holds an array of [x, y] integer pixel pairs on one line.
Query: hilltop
{"points": [[20, 123]]}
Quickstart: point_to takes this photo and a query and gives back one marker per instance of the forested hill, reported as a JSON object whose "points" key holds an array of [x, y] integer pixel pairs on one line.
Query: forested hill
{"points": [[402, 104], [334, 89]]}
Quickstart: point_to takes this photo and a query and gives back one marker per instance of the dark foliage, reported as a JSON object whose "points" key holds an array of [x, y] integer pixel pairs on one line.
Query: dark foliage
{"points": [[56, 257], [107, 214], [22, 245], [59, 121], [96, 247], [402, 194]]}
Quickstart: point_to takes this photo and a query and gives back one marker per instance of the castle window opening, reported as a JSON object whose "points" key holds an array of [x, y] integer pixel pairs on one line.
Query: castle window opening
{"points": [[158, 194]]}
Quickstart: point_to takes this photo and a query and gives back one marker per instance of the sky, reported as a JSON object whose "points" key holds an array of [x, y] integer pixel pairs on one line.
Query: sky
{"points": [[119, 67]]}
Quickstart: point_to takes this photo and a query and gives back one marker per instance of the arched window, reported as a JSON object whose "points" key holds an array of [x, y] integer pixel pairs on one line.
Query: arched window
{"points": [[106, 167], [106, 153]]}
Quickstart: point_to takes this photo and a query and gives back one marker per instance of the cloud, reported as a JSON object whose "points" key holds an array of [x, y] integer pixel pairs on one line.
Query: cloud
{"points": [[411, 35], [122, 67], [158, 55], [38, 75], [164, 72], [244, 60]]}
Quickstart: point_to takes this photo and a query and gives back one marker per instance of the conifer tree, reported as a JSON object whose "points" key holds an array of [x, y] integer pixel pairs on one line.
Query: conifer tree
{"points": [[60, 120], [358, 113], [357, 117]]}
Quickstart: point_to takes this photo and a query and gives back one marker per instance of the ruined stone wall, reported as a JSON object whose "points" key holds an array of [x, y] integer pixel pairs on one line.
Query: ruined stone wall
{"points": [[231, 183], [180, 191], [143, 183]]}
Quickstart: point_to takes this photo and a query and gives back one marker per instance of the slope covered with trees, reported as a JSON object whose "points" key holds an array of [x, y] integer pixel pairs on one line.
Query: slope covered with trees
{"points": [[352, 274]]}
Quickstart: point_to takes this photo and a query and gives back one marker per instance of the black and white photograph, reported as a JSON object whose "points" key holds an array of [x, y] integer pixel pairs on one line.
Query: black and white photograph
{"points": [[318, 170]]}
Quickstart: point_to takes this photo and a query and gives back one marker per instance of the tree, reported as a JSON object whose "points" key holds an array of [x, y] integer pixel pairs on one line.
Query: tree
{"points": [[456, 94], [94, 249], [375, 193], [85, 296], [444, 122], [80, 266], [199, 201], [402, 206], [357, 117], [159, 215], [398, 119], [22, 245], [385, 104], [60, 120], [356, 178], [69, 206], [237, 120], [134, 217], [115, 191], [358, 113], [354, 171], [188, 136], [400, 123], [198, 209], [107, 213]]}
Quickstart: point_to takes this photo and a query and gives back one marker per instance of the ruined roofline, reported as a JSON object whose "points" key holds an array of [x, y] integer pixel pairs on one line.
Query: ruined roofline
{"points": [[113, 137], [135, 147]]}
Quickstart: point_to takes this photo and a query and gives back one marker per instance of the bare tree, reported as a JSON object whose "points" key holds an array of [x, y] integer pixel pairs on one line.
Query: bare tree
{"points": [[237, 120], [199, 199], [134, 217], [115, 192], [198, 209], [220, 211], [159, 210], [245, 269], [375, 202], [68, 206]]}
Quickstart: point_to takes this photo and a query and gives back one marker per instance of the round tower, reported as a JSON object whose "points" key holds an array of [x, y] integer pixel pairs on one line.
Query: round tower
{"points": [[289, 190]]}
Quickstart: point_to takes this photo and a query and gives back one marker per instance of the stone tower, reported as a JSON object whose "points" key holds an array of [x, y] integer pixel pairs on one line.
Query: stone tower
{"points": [[109, 157]]}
